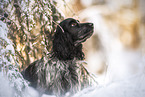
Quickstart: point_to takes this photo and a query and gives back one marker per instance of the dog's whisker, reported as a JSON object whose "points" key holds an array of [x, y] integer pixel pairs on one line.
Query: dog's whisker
{"points": [[58, 25]]}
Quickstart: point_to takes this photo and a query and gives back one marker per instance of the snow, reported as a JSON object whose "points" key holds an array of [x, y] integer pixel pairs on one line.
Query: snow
{"points": [[5, 89], [30, 92], [11, 79], [48, 95], [131, 87]]}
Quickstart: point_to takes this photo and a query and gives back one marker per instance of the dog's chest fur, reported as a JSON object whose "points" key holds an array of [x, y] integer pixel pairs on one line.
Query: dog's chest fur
{"points": [[58, 77]]}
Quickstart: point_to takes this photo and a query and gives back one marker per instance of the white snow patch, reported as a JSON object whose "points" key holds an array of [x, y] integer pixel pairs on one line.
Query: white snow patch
{"points": [[131, 87], [5, 89]]}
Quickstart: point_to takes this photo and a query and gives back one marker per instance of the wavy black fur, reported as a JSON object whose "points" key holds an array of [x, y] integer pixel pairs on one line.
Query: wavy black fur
{"points": [[63, 46]]}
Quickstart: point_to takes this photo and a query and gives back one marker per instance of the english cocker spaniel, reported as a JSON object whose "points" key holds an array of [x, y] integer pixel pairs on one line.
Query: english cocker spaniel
{"points": [[61, 71]]}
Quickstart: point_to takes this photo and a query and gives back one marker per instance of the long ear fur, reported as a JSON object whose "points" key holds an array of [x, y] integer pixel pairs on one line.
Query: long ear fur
{"points": [[63, 46]]}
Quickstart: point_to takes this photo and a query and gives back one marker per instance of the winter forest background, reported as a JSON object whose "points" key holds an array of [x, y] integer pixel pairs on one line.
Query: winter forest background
{"points": [[115, 53]]}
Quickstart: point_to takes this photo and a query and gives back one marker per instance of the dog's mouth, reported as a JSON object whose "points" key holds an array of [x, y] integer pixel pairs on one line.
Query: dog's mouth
{"points": [[84, 37]]}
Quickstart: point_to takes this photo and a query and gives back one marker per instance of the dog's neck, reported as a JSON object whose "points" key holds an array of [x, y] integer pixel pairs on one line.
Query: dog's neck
{"points": [[68, 51]]}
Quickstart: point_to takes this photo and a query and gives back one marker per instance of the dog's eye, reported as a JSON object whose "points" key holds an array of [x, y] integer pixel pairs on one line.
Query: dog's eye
{"points": [[73, 24]]}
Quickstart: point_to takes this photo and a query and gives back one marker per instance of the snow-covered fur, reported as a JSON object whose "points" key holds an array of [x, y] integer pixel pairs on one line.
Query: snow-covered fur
{"points": [[60, 71]]}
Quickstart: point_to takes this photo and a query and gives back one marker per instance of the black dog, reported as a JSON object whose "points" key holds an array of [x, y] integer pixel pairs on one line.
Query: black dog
{"points": [[60, 71]]}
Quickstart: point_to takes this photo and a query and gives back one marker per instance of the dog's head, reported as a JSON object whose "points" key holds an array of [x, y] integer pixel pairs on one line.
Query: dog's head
{"points": [[79, 31], [69, 35]]}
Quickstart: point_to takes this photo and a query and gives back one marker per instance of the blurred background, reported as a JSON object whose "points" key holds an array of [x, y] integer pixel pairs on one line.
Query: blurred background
{"points": [[119, 29]]}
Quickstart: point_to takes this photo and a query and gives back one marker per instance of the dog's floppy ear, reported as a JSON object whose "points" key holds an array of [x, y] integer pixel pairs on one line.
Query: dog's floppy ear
{"points": [[62, 44]]}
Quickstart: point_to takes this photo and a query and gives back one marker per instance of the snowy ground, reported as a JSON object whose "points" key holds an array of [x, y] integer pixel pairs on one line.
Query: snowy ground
{"points": [[131, 87], [121, 80]]}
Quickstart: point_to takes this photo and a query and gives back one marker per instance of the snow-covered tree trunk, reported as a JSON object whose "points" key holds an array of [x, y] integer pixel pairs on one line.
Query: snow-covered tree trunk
{"points": [[9, 67], [32, 24]]}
